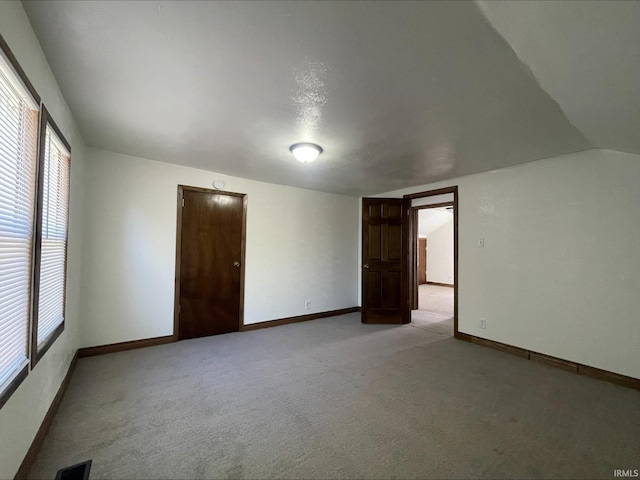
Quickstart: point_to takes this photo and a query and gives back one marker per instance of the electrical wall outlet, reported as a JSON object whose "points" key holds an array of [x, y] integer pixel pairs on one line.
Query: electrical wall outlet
{"points": [[483, 323], [307, 305]]}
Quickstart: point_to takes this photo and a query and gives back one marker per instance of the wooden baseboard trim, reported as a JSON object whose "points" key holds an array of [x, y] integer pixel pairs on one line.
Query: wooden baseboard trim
{"points": [[554, 362], [123, 346], [30, 457], [299, 318], [441, 284], [610, 377], [607, 376], [503, 347]]}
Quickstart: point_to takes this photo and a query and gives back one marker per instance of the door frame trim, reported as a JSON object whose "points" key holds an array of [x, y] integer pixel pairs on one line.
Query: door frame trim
{"points": [[243, 245], [412, 239]]}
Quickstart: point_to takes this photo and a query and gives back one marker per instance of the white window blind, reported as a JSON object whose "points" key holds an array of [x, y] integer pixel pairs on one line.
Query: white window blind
{"points": [[18, 148], [55, 219]]}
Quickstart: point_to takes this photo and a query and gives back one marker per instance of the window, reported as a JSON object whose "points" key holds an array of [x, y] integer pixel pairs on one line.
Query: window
{"points": [[51, 243], [35, 162], [18, 148]]}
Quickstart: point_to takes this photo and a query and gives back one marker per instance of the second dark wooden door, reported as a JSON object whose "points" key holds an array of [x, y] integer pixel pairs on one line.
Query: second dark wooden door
{"points": [[385, 298], [210, 263], [422, 261]]}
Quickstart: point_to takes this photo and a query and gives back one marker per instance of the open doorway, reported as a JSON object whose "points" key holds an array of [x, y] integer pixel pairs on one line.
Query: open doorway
{"points": [[435, 278], [433, 260]]}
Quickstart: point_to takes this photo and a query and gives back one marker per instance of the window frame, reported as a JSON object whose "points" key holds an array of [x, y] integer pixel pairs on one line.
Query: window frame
{"points": [[38, 353], [19, 72], [44, 119]]}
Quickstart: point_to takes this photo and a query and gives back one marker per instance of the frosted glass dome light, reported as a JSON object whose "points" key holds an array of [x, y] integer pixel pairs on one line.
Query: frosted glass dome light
{"points": [[305, 152]]}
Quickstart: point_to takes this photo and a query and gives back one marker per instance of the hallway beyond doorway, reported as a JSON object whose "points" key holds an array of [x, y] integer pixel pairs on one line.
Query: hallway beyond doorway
{"points": [[435, 309]]}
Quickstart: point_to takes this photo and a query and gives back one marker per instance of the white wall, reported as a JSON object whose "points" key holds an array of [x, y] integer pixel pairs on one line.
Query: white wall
{"points": [[22, 415], [560, 270], [440, 254], [301, 245]]}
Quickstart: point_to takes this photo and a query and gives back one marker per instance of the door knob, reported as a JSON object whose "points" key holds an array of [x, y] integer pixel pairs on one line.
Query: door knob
{"points": [[366, 265], [236, 264]]}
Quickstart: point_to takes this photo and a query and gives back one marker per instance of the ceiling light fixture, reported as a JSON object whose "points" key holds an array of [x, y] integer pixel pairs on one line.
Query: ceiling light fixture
{"points": [[305, 152]]}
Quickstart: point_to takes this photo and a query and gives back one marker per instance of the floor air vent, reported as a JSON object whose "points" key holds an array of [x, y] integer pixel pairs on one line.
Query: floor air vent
{"points": [[79, 471]]}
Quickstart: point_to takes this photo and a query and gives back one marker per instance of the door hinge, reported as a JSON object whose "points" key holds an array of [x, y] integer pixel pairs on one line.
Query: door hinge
{"points": [[179, 309], [183, 202]]}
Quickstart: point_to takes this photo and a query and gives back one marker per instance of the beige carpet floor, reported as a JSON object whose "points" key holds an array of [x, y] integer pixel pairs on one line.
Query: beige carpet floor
{"points": [[435, 309], [333, 398]]}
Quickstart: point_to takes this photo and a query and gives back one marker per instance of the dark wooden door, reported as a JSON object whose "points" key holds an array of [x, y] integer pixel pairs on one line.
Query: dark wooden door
{"points": [[385, 297], [211, 256], [422, 261]]}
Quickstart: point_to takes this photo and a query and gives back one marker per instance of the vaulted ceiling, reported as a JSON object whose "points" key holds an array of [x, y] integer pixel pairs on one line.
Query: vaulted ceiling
{"points": [[397, 93], [431, 219], [586, 55]]}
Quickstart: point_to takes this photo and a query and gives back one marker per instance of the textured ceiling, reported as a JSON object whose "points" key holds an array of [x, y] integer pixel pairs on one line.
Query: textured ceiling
{"points": [[397, 93]]}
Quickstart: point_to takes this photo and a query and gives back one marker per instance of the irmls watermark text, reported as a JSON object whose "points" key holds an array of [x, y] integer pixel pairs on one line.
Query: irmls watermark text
{"points": [[629, 473]]}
